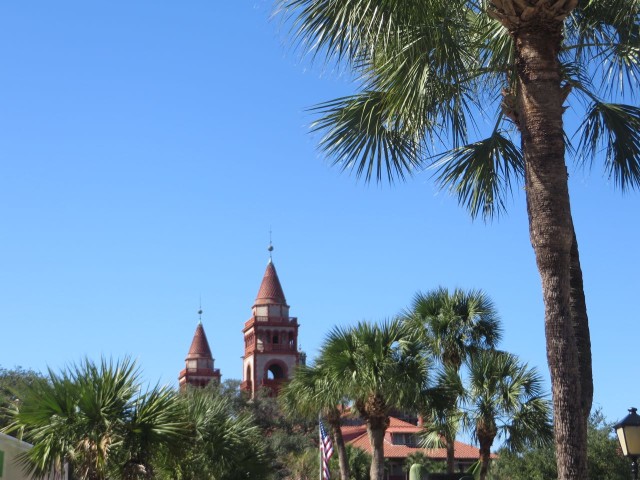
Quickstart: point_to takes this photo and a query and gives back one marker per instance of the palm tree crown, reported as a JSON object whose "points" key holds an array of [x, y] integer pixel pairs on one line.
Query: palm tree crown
{"points": [[92, 417], [379, 367], [311, 392], [504, 399], [454, 325]]}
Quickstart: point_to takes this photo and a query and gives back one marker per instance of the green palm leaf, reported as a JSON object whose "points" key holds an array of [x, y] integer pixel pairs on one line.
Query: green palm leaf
{"points": [[361, 135], [481, 174], [615, 130]]}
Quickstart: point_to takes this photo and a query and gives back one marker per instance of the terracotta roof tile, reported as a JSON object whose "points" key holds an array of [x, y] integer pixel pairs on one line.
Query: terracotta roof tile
{"points": [[356, 435], [199, 345], [270, 289]]}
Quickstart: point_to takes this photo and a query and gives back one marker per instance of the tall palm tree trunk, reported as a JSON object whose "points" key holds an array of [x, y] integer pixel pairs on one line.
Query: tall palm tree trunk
{"points": [[451, 455], [580, 322], [333, 419], [376, 438], [540, 98], [485, 458]]}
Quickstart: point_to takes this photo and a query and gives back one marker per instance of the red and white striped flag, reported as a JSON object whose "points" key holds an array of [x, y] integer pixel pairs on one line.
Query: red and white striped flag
{"points": [[326, 450]]}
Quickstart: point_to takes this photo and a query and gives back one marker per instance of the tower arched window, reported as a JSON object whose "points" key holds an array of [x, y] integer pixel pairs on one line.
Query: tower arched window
{"points": [[275, 372]]}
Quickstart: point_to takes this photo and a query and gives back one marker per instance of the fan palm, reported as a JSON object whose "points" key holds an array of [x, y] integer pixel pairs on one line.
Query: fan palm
{"points": [[311, 392], [303, 465], [91, 417], [430, 68], [76, 417], [156, 423], [221, 443], [452, 327], [441, 409], [503, 399], [380, 367]]}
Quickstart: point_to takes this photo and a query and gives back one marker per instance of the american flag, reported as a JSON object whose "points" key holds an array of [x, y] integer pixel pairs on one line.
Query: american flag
{"points": [[326, 450]]}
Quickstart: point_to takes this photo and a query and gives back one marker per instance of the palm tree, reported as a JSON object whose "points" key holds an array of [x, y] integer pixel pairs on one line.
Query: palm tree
{"points": [[156, 424], [452, 326], [92, 417], [380, 367], [428, 68], [302, 465], [441, 409], [309, 393], [503, 399], [75, 417], [222, 443]]}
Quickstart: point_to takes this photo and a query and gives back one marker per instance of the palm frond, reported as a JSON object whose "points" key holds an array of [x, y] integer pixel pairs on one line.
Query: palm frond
{"points": [[346, 30], [613, 129], [361, 135], [429, 71], [481, 173], [497, 51], [607, 32]]}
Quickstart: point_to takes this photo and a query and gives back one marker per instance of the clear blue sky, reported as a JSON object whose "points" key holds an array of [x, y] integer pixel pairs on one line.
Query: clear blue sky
{"points": [[146, 149]]}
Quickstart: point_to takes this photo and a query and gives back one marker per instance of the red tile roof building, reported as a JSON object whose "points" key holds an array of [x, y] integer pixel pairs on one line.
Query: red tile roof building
{"points": [[400, 441]]}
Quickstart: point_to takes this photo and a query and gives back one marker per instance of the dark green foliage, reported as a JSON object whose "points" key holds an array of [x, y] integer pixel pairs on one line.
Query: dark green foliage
{"points": [[13, 384], [99, 419], [604, 458], [221, 443], [359, 463], [303, 465], [285, 437]]}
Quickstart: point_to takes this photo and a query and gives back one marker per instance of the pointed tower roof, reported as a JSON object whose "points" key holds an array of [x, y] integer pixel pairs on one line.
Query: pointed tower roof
{"points": [[270, 289], [199, 345]]}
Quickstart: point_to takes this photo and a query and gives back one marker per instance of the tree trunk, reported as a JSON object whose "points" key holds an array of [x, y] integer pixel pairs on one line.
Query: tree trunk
{"points": [[485, 458], [345, 474], [376, 438], [540, 97], [451, 455], [580, 322]]}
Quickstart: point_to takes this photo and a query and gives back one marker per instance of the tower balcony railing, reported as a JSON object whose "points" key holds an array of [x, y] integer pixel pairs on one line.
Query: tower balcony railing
{"points": [[270, 347], [274, 319], [201, 371], [293, 321]]}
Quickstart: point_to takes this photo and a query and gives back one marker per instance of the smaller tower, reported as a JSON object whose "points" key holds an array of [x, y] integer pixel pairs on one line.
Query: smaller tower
{"points": [[199, 365]]}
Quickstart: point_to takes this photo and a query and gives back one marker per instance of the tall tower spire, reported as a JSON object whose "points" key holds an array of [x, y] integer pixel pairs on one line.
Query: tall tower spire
{"points": [[270, 336], [199, 368]]}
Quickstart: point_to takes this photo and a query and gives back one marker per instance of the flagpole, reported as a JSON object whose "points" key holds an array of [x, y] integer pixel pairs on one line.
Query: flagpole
{"points": [[320, 445]]}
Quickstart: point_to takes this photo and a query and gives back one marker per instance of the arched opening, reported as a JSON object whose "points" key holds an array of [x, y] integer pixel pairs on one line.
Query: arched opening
{"points": [[248, 374], [275, 372]]}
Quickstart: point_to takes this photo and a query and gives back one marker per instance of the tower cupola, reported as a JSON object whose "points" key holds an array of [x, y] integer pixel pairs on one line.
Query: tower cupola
{"points": [[199, 368]]}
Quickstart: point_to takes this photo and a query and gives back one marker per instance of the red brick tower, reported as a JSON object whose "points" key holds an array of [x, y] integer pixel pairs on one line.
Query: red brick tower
{"points": [[270, 337], [199, 370]]}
